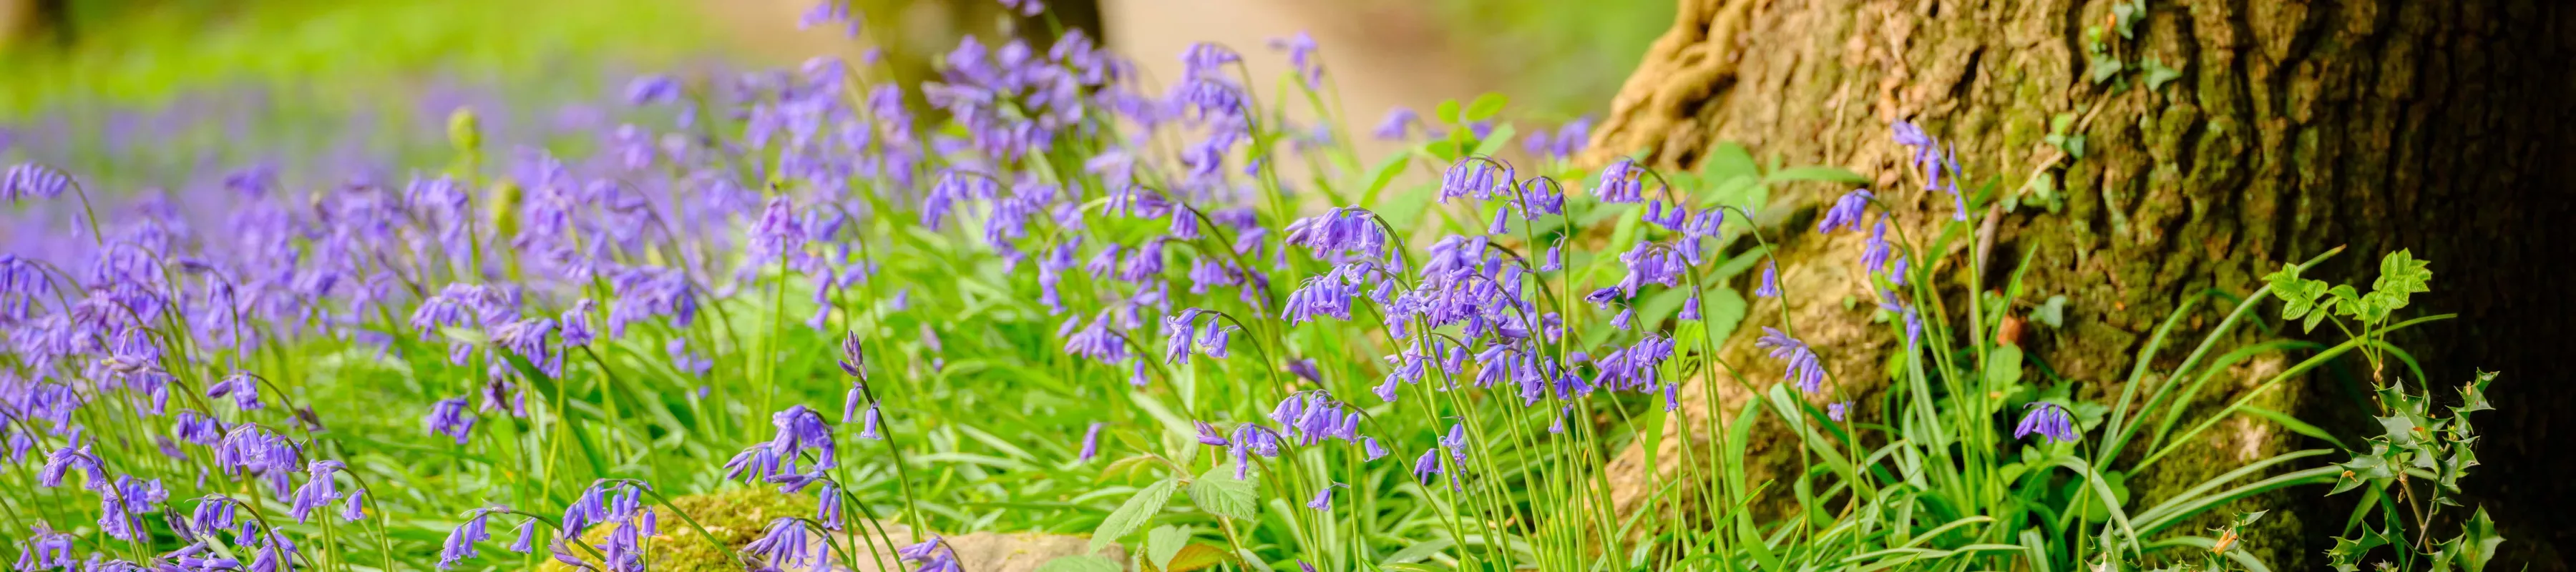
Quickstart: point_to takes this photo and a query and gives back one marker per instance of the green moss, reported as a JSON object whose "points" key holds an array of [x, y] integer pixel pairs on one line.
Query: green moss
{"points": [[734, 517]]}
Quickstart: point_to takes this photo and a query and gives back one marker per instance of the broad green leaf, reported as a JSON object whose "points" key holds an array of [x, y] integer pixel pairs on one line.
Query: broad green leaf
{"points": [[1729, 160], [1446, 111], [1196, 557], [1164, 542], [1133, 514], [1419, 551], [1484, 107], [1080, 563], [1220, 493], [1386, 172], [1816, 173], [1495, 140], [2003, 367]]}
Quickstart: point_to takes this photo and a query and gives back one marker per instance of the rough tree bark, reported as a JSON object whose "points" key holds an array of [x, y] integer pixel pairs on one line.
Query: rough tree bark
{"points": [[2293, 127]]}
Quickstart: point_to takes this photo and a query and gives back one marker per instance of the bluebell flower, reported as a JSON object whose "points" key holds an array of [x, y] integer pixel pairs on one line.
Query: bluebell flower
{"points": [[317, 491], [1798, 362], [931, 555], [1397, 125], [800, 428], [1690, 309], [1456, 441], [31, 180], [1426, 466], [786, 545], [527, 540], [460, 541], [352, 508], [1875, 251], [1208, 434], [1837, 410], [1323, 500], [1201, 60], [1770, 287], [1621, 182], [242, 387], [1091, 442], [2049, 420], [1372, 450], [449, 417], [1847, 211], [1301, 57]]}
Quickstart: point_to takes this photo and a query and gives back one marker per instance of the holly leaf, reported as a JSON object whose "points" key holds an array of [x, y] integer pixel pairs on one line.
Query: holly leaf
{"points": [[2400, 430], [2478, 541], [2347, 553]]}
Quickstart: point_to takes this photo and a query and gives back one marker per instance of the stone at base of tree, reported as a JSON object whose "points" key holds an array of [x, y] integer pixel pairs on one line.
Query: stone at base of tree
{"points": [[738, 516]]}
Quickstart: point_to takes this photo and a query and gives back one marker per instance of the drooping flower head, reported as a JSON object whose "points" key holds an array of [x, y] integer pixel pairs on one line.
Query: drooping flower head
{"points": [[1847, 211], [1798, 362], [2049, 420]]}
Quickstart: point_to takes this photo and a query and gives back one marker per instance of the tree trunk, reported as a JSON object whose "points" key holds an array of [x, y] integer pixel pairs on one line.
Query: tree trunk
{"points": [[2292, 127]]}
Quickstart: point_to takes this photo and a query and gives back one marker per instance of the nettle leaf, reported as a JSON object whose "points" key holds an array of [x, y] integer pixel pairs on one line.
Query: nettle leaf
{"points": [[1133, 514], [1220, 493]]}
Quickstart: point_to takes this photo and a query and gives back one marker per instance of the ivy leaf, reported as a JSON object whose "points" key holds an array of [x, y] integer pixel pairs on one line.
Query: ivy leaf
{"points": [[2158, 74], [2052, 312], [1220, 493], [1133, 514]]}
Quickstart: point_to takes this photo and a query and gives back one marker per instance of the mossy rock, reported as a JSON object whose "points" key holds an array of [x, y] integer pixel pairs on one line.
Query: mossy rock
{"points": [[738, 516]]}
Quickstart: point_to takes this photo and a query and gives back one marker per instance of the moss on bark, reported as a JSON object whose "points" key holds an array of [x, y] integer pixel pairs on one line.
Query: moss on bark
{"points": [[2292, 127]]}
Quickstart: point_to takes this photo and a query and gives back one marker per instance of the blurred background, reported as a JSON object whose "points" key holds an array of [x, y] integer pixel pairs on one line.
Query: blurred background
{"points": [[355, 80]]}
